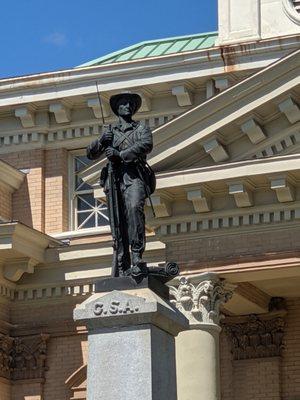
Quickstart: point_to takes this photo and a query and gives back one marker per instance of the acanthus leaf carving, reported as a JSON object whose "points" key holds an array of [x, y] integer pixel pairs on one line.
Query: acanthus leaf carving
{"points": [[201, 303], [23, 357], [256, 338]]}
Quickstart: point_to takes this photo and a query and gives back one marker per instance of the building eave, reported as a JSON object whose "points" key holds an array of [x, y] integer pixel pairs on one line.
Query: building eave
{"points": [[131, 74], [225, 108], [22, 248]]}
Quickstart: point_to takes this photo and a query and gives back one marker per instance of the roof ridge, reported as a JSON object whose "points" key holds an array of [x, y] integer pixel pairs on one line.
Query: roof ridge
{"points": [[136, 46]]}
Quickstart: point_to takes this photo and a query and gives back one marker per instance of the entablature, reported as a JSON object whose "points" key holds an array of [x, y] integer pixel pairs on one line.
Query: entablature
{"points": [[138, 73]]}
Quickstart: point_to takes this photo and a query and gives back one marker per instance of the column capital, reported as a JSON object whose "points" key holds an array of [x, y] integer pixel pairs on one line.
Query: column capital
{"points": [[199, 299]]}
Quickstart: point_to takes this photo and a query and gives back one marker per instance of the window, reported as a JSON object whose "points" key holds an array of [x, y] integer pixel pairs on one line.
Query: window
{"points": [[87, 212]]}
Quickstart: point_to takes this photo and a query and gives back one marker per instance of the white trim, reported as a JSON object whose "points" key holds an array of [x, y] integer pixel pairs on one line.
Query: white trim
{"points": [[238, 101], [82, 232], [138, 73], [72, 135], [236, 220], [224, 172], [290, 11]]}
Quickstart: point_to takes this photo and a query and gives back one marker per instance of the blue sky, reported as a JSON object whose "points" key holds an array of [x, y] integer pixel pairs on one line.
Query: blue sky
{"points": [[44, 35]]}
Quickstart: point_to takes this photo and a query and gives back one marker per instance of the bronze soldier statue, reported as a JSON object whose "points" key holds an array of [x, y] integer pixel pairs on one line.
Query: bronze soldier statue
{"points": [[127, 181]]}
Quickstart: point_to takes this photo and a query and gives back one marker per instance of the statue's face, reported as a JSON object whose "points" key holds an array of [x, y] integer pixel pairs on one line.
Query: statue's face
{"points": [[124, 108]]}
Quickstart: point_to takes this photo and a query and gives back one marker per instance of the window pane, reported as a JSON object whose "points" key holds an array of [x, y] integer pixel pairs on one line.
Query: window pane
{"points": [[86, 220], [78, 164], [101, 204], [85, 202], [84, 160], [102, 220]]}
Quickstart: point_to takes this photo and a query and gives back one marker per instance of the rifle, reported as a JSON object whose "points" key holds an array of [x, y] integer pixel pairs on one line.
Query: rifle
{"points": [[113, 205]]}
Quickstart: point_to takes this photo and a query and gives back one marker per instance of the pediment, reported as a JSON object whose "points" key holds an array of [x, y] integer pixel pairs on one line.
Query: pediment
{"points": [[256, 118]]}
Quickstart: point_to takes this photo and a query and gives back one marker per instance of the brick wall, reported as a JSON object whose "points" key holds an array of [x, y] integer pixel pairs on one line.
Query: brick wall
{"points": [[228, 246], [5, 204], [56, 191], [70, 354], [42, 200], [5, 389], [226, 366], [257, 379], [27, 391], [265, 378], [28, 200], [66, 349], [275, 378], [291, 353]]}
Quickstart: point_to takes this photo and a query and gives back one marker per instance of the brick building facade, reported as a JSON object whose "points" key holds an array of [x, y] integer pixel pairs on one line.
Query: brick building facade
{"points": [[225, 115]]}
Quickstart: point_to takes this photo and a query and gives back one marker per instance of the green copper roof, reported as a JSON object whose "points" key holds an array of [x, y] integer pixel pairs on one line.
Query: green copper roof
{"points": [[157, 48]]}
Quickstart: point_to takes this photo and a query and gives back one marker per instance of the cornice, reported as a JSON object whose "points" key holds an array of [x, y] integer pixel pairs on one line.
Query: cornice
{"points": [[247, 170], [234, 222], [81, 81], [72, 135], [202, 123], [21, 249], [229, 171]]}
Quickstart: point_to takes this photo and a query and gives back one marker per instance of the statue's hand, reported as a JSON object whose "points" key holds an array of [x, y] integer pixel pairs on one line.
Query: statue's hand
{"points": [[112, 154], [107, 138]]}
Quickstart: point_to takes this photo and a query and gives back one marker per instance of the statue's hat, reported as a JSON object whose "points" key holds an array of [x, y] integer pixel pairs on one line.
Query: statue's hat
{"points": [[133, 98]]}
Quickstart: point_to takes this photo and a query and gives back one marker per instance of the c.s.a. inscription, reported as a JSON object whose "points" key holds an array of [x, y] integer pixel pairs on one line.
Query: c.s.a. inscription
{"points": [[115, 307]]}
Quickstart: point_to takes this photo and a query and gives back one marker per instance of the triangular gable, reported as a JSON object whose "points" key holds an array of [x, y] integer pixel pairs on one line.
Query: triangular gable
{"points": [[199, 130], [228, 127]]}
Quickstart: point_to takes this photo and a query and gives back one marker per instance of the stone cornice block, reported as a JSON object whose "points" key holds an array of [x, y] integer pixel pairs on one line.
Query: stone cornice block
{"points": [[183, 95], [285, 191], [216, 150], [146, 102], [61, 112], [200, 200], [26, 116], [14, 269], [221, 83], [94, 104], [253, 130], [291, 110], [242, 195], [161, 205]]}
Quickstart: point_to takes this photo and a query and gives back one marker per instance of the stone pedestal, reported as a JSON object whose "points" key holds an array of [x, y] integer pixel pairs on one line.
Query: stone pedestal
{"points": [[197, 350], [131, 341]]}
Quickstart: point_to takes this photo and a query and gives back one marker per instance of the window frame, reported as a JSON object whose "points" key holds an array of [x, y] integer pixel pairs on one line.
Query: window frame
{"points": [[73, 196]]}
